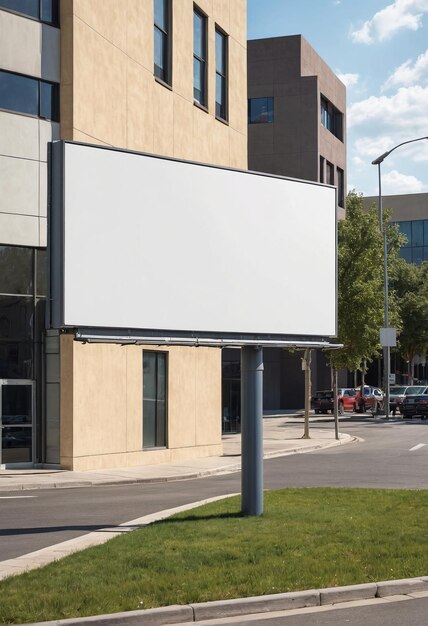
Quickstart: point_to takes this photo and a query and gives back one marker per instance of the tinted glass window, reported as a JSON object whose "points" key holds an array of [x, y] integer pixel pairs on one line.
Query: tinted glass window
{"points": [[49, 11], [260, 110], [19, 93], [27, 7], [154, 399], [199, 35], [160, 9], [43, 10], [417, 233], [425, 232], [406, 254], [161, 40], [220, 86], [30, 96], [406, 229], [41, 273], [199, 57], [49, 101], [16, 270]]}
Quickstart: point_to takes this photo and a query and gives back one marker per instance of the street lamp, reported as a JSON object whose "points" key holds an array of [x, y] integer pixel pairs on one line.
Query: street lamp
{"points": [[387, 339]]}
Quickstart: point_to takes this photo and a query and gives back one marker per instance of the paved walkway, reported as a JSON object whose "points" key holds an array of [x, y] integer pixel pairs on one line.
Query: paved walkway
{"points": [[282, 436]]}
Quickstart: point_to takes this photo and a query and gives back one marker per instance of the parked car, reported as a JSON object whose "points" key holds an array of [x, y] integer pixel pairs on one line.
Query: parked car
{"points": [[323, 401], [415, 404], [346, 398], [397, 395], [372, 400]]}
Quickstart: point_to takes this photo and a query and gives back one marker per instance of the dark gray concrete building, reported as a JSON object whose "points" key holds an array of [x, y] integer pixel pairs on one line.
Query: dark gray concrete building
{"points": [[296, 113], [296, 128]]}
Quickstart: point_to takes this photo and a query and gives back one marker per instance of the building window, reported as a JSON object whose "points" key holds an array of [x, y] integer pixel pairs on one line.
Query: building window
{"points": [[30, 96], [331, 118], [22, 309], [340, 187], [329, 170], [162, 40], [43, 10], [220, 74], [415, 250], [154, 399], [322, 166], [260, 110], [199, 57]]}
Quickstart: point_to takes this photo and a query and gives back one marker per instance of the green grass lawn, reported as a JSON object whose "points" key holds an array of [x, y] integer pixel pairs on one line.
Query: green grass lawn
{"points": [[307, 538]]}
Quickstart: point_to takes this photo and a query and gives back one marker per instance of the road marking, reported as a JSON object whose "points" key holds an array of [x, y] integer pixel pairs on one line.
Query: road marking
{"points": [[420, 445], [15, 497]]}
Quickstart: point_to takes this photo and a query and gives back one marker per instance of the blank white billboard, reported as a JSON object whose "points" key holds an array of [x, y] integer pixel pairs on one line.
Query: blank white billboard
{"points": [[149, 243]]}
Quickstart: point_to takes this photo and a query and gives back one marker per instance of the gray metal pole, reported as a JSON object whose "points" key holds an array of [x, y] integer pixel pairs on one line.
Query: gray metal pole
{"points": [[252, 430], [386, 349], [336, 406]]}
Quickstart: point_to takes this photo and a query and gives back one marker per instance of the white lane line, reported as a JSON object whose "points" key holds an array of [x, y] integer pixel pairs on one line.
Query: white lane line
{"points": [[420, 445], [15, 497]]}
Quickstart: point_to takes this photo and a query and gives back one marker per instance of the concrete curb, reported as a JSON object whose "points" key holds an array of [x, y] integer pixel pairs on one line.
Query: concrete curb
{"points": [[223, 469], [220, 609]]}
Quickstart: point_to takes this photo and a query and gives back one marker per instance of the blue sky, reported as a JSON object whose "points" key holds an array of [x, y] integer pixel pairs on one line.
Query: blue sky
{"points": [[379, 48]]}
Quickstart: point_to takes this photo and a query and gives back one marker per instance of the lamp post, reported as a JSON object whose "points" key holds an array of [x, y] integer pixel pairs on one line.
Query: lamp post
{"points": [[386, 343]]}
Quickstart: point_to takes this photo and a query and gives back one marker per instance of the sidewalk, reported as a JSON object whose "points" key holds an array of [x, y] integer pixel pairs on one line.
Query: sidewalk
{"points": [[282, 436]]}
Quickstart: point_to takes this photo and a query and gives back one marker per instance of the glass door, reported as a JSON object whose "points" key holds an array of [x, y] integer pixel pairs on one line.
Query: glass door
{"points": [[16, 422]]}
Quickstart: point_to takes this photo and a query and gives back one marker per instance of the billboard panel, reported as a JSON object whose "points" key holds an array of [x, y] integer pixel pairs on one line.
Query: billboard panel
{"points": [[150, 243]]}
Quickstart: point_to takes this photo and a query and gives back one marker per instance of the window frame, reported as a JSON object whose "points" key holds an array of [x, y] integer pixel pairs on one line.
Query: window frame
{"points": [[55, 109], [202, 60], [340, 187], [223, 76], [329, 169], [267, 121], [55, 13], [167, 42], [164, 443], [331, 118]]}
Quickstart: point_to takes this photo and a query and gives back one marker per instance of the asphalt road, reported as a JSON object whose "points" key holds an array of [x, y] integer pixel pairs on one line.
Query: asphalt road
{"points": [[389, 457]]}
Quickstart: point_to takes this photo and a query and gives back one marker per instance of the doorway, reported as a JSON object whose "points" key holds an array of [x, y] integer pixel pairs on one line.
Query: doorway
{"points": [[16, 423]]}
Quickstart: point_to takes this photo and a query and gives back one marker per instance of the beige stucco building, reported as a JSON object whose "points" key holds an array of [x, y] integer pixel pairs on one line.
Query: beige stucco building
{"points": [[165, 77]]}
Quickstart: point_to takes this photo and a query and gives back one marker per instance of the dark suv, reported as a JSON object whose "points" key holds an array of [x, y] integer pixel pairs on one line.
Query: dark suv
{"points": [[416, 404]]}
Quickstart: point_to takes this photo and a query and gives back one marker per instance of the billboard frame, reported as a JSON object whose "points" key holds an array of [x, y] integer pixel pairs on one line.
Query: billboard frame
{"points": [[56, 247]]}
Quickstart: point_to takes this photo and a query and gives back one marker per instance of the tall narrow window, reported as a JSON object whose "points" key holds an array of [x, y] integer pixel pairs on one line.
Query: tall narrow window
{"points": [[340, 187], [329, 170], [322, 165], [220, 75], [162, 40], [199, 57], [154, 399]]}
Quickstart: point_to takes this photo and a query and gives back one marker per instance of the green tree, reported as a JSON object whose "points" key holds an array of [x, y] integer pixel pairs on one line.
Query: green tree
{"points": [[360, 282], [409, 283]]}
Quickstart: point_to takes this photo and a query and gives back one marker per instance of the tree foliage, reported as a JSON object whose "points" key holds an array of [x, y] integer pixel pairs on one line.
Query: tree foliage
{"points": [[360, 281], [409, 282]]}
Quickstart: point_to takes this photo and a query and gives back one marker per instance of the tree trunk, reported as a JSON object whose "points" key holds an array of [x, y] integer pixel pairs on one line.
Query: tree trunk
{"points": [[308, 390]]}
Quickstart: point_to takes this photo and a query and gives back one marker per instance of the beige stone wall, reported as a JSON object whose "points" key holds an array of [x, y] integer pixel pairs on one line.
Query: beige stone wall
{"points": [[109, 94], [102, 405]]}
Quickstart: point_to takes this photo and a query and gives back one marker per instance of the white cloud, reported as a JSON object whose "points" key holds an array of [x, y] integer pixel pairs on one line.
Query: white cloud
{"points": [[348, 79], [400, 15], [406, 74], [372, 147], [393, 182], [405, 111]]}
